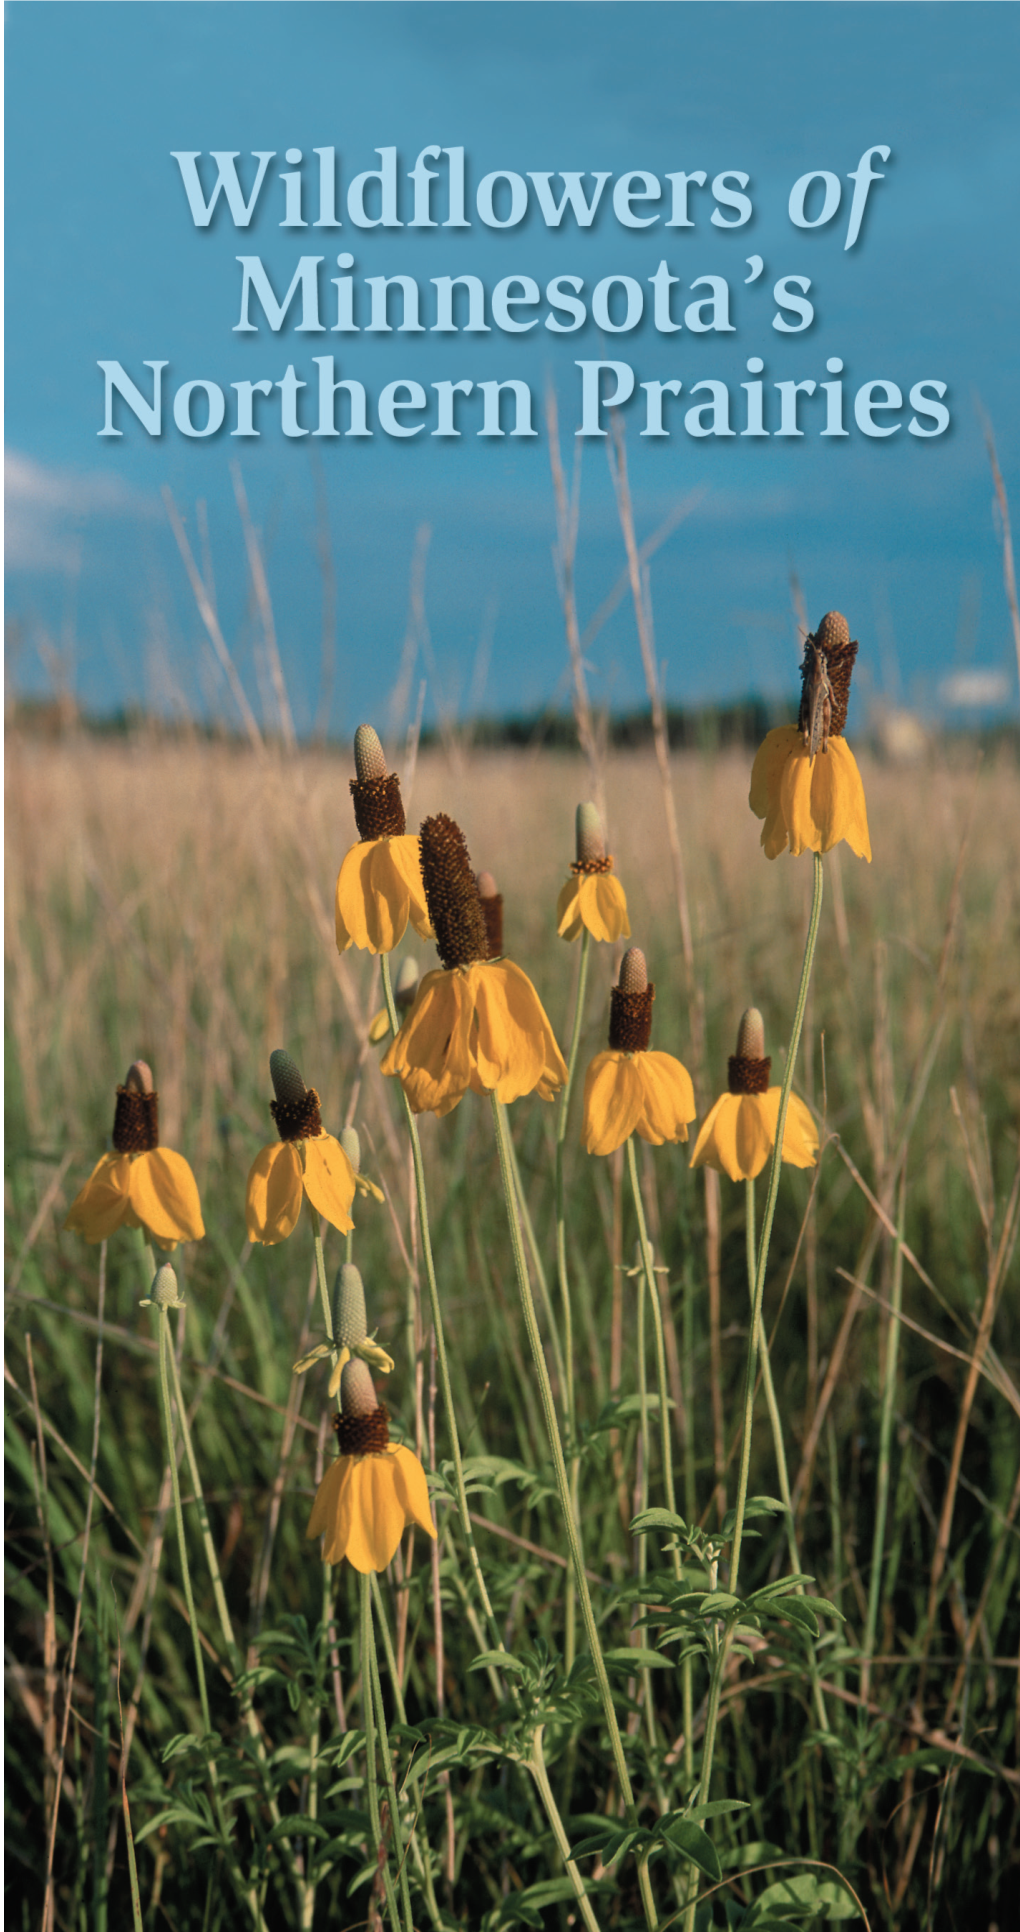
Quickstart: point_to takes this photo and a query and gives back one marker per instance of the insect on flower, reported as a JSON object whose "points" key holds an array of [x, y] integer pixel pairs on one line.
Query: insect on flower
{"points": [[815, 720]]}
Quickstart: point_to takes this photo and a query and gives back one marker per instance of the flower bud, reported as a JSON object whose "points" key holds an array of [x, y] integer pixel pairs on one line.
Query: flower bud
{"points": [[164, 1287], [287, 1082], [349, 1323], [751, 1036], [369, 759], [633, 971], [138, 1078], [589, 837], [351, 1143], [357, 1391]]}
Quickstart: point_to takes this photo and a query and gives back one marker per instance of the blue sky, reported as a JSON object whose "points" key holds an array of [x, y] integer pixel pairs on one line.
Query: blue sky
{"points": [[105, 263]]}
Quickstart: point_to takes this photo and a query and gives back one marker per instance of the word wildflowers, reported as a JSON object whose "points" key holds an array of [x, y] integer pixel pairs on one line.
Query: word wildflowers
{"points": [[477, 1023], [804, 782], [629, 1090], [140, 1184]]}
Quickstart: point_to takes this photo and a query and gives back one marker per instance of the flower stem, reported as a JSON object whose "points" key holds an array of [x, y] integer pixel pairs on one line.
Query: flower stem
{"points": [[390, 1781], [648, 1265], [536, 1765], [437, 1324], [166, 1355], [563, 1490], [719, 1664], [570, 1606], [371, 1785]]}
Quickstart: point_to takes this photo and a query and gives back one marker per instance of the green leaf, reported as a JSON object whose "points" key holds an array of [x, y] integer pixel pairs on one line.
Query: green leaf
{"points": [[500, 1659], [695, 1845], [798, 1610], [297, 1826], [805, 1894], [657, 1519], [633, 1657], [718, 1808]]}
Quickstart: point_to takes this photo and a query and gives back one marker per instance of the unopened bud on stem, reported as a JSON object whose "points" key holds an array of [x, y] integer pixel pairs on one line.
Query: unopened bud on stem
{"points": [[369, 760]]}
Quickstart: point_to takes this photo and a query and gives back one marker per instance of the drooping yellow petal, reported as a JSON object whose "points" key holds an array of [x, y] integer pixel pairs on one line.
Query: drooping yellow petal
{"points": [[568, 909], [604, 907], [274, 1193], [795, 800], [515, 1049], [327, 1501], [99, 1207], [329, 1180], [405, 858], [432, 1051], [716, 1145], [755, 1134], [378, 889], [766, 776], [668, 1098], [846, 816], [613, 1101], [800, 1136], [377, 1513], [164, 1196], [412, 1489]]}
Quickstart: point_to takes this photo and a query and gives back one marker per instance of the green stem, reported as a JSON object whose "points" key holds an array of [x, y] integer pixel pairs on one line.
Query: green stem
{"points": [[166, 1355], [884, 1451], [437, 1323], [371, 1784], [570, 1605], [388, 1777], [719, 1664], [563, 1490], [421, 1859], [536, 1765], [648, 1266], [320, 1269]]}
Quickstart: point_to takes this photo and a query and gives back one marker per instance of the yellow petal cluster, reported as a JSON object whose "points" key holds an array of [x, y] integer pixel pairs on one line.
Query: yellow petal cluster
{"points": [[808, 804], [482, 1027], [650, 1094], [287, 1170], [378, 890], [595, 901], [364, 1504], [154, 1191], [739, 1134]]}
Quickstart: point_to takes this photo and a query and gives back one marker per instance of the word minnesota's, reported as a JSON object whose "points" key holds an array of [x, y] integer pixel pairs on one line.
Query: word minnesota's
{"points": [[338, 405]]}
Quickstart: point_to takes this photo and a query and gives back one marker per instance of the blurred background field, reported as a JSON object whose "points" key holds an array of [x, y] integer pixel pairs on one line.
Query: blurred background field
{"points": [[173, 899]]}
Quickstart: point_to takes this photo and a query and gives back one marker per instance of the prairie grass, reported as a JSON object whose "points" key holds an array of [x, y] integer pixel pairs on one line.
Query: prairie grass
{"points": [[173, 901]]}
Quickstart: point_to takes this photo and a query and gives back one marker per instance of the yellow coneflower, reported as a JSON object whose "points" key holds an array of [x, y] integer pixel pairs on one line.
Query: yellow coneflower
{"points": [[379, 887], [805, 783], [478, 1022], [303, 1161], [141, 1184], [629, 1090], [374, 1489], [739, 1134], [593, 899]]}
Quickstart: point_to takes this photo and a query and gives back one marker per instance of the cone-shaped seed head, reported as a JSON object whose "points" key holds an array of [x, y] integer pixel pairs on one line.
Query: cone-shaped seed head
{"points": [[164, 1287], [832, 631], [369, 761], [751, 1036], [351, 1144], [357, 1395], [139, 1077], [633, 971], [487, 887], [349, 1323], [590, 838], [288, 1085], [407, 982]]}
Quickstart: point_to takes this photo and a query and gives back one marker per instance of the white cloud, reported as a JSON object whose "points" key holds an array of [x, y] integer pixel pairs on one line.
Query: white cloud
{"points": [[45, 510]]}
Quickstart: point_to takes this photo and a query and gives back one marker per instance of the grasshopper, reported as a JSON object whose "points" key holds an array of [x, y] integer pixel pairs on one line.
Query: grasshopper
{"points": [[816, 701]]}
